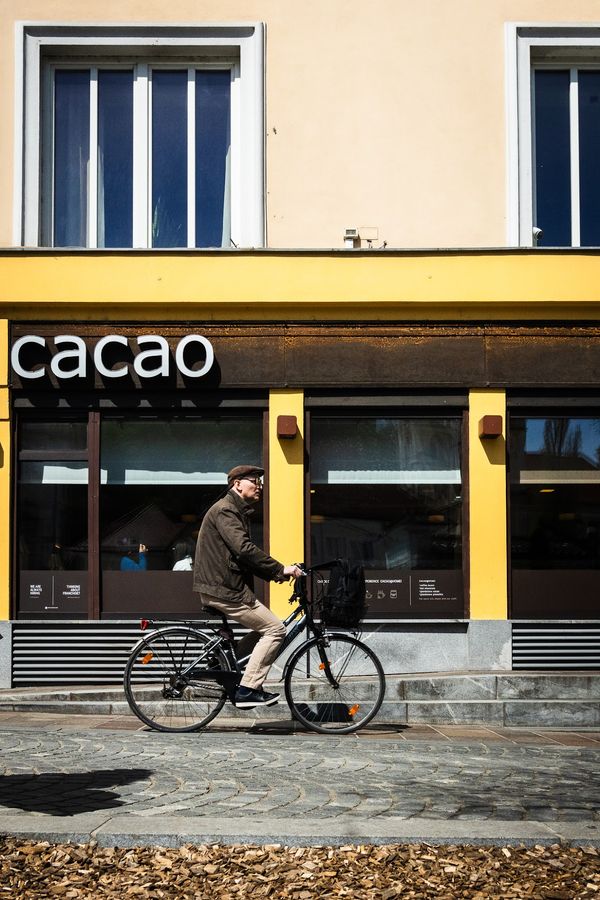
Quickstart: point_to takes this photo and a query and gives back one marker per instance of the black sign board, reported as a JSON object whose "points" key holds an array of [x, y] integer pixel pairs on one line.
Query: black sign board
{"points": [[412, 593], [415, 593], [45, 594]]}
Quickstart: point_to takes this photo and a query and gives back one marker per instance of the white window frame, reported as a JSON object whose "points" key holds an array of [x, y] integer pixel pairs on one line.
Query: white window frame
{"points": [[529, 46], [187, 46]]}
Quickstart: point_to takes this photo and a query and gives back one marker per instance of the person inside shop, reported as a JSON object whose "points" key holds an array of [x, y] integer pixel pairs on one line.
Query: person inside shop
{"points": [[225, 564], [132, 560], [183, 556]]}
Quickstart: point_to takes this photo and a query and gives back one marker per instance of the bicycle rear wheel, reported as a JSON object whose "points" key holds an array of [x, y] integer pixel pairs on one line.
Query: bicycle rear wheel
{"points": [[354, 697], [157, 690]]}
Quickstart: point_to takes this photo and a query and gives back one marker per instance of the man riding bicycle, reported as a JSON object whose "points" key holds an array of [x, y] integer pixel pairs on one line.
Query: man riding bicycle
{"points": [[225, 563]]}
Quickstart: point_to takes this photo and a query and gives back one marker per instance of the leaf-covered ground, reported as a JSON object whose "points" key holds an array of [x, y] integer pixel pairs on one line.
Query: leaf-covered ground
{"points": [[43, 870]]}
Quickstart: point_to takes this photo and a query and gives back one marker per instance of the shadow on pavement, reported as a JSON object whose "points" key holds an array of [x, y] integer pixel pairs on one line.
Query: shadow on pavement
{"points": [[291, 726], [67, 794]]}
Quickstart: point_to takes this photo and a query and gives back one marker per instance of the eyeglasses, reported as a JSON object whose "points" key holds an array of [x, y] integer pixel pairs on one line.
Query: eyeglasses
{"points": [[257, 481]]}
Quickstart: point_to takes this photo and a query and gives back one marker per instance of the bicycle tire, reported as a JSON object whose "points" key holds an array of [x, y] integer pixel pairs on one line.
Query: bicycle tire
{"points": [[156, 692], [320, 706]]}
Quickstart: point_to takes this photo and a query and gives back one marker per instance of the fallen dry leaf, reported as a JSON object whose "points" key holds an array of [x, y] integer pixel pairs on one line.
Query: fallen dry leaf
{"points": [[31, 870]]}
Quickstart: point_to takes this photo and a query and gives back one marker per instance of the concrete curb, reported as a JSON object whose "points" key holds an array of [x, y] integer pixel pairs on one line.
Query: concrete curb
{"points": [[132, 831]]}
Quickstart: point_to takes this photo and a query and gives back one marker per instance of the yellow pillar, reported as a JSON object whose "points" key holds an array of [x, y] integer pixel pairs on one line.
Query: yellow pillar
{"points": [[5, 523], [286, 491], [487, 509]]}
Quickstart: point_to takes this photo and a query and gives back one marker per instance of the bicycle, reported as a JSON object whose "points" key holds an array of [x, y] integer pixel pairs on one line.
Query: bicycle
{"points": [[178, 677]]}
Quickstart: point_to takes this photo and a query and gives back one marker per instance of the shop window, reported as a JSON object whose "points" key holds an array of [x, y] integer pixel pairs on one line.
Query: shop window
{"points": [[555, 78], [52, 519], [89, 493], [555, 516], [386, 492], [157, 480], [139, 136]]}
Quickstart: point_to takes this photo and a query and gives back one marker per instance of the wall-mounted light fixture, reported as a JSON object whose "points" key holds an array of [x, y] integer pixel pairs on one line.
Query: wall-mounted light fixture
{"points": [[287, 427], [490, 427]]}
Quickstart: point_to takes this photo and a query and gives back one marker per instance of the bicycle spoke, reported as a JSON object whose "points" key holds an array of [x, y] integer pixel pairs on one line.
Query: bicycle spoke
{"points": [[157, 691], [345, 706]]}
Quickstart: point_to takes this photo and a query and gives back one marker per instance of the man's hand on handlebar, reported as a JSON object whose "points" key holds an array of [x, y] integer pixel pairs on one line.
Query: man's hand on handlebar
{"points": [[292, 571]]}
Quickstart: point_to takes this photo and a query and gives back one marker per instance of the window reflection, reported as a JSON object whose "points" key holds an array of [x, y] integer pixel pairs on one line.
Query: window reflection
{"points": [[555, 492], [52, 520], [71, 156], [169, 158], [115, 158], [386, 492], [158, 478], [52, 514], [589, 150], [552, 157], [213, 219], [52, 496]]}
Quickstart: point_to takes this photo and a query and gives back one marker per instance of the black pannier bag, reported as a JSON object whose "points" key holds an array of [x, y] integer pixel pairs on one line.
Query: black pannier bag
{"points": [[343, 602]]}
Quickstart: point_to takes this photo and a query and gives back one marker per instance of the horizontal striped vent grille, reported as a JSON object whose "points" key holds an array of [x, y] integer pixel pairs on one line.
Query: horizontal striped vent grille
{"points": [[74, 653], [556, 645]]}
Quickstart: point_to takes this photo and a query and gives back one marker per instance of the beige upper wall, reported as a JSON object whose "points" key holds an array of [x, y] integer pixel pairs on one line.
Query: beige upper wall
{"points": [[389, 114]]}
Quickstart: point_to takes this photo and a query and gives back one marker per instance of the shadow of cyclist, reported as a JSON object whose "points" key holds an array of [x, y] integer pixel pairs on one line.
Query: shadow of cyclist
{"points": [[66, 794]]}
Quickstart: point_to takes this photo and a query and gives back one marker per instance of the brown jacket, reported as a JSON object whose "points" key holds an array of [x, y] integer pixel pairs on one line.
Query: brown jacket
{"points": [[226, 558]]}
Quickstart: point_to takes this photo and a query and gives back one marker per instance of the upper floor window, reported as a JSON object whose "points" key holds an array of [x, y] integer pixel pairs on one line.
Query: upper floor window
{"points": [[142, 137], [93, 156], [554, 130]]}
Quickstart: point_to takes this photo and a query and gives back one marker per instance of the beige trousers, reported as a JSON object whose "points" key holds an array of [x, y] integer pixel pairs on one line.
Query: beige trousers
{"points": [[251, 613]]}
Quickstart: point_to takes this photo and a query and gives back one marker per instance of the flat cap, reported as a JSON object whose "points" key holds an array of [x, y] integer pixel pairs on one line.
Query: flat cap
{"points": [[244, 472]]}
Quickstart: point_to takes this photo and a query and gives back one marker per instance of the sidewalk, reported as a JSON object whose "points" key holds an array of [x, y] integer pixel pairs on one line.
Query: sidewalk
{"points": [[264, 722], [82, 778]]}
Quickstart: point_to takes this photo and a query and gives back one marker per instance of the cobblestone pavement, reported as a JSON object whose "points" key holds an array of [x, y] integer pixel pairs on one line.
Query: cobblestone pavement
{"points": [[240, 775]]}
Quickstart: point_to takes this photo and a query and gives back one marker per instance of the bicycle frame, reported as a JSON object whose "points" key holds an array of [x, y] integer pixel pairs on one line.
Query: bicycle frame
{"points": [[223, 642]]}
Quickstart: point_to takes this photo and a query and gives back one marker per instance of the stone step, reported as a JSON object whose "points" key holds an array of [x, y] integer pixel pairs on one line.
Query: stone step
{"points": [[498, 686], [446, 687], [517, 713], [523, 699]]}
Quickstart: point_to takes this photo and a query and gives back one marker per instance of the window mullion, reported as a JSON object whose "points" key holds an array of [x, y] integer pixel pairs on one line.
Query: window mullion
{"points": [[92, 179], [574, 153], [141, 157], [191, 158]]}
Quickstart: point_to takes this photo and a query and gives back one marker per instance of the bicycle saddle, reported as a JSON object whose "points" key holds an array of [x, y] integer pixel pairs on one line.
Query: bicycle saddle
{"points": [[211, 611]]}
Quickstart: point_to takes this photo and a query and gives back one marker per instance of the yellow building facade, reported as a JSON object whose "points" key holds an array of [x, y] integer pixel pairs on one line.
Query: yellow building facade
{"points": [[273, 362], [210, 254]]}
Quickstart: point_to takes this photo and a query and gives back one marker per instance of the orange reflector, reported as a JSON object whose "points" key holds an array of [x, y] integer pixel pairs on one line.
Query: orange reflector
{"points": [[321, 665], [354, 709], [146, 659]]}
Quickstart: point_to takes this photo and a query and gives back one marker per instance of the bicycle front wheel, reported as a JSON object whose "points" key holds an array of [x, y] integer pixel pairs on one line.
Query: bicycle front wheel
{"points": [[334, 684], [159, 690]]}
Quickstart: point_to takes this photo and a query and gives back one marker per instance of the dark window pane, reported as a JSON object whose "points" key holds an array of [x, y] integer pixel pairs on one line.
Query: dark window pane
{"points": [[115, 159], [555, 492], [552, 158], [157, 481], [386, 492], [71, 157], [589, 156], [212, 158], [53, 436], [555, 449], [52, 514], [169, 158]]}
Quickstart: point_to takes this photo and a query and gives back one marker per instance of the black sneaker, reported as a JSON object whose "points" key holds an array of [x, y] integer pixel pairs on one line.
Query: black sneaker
{"points": [[247, 698]]}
